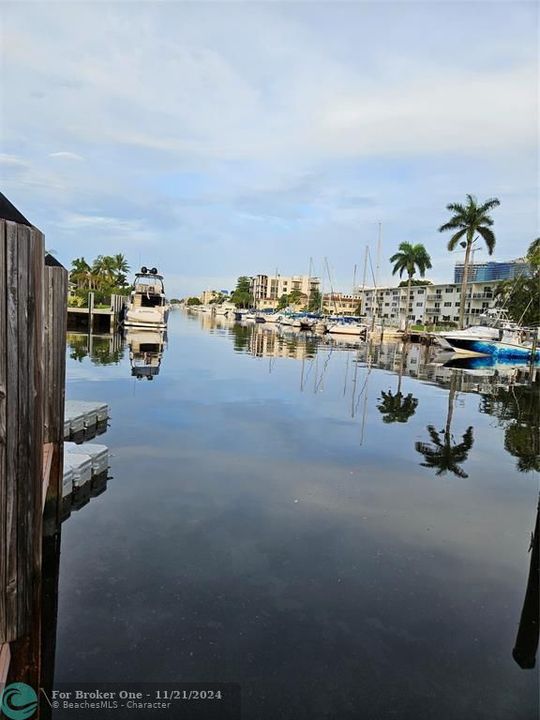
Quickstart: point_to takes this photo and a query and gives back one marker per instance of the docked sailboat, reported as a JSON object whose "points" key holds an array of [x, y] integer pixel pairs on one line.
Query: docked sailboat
{"points": [[148, 305]]}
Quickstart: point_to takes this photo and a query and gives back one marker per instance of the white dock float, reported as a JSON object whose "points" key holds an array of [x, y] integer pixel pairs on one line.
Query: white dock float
{"points": [[80, 415], [80, 466], [67, 485], [99, 454]]}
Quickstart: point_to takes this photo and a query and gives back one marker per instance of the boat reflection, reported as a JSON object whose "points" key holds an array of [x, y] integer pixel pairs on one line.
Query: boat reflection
{"points": [[146, 348]]}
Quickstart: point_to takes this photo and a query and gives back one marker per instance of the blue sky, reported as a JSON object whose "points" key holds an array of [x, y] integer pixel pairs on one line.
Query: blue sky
{"points": [[219, 139]]}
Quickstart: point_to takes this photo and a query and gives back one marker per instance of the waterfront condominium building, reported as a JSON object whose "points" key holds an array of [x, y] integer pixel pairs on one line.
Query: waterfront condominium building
{"points": [[267, 289], [428, 303], [491, 270], [337, 303]]}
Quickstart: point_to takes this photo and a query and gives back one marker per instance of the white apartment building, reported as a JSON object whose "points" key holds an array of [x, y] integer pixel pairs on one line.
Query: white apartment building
{"points": [[428, 303], [267, 289]]}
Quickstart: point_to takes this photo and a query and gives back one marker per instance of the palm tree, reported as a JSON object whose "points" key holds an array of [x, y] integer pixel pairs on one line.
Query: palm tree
{"points": [[468, 221], [80, 273], [121, 267], [443, 454], [408, 259]]}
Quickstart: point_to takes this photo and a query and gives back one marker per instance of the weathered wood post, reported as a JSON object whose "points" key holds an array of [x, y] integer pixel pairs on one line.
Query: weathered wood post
{"points": [[55, 327], [21, 437]]}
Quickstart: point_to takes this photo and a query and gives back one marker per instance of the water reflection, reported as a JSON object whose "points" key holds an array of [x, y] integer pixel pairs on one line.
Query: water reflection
{"points": [[516, 409], [101, 349], [398, 407], [257, 529], [146, 348], [509, 392], [526, 646]]}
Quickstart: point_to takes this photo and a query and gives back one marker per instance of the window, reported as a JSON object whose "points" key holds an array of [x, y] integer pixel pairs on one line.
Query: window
{"points": [[421, 292], [419, 304], [447, 304], [456, 304], [456, 317], [449, 290]]}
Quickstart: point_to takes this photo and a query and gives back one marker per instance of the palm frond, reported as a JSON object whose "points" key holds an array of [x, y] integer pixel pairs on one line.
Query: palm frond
{"points": [[489, 238], [452, 224], [489, 205], [455, 239]]}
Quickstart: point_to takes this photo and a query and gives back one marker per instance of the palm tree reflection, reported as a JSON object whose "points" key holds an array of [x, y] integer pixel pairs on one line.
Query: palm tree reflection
{"points": [[399, 407], [443, 454]]}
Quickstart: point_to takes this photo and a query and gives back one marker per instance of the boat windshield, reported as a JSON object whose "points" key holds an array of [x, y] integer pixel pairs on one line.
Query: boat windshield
{"points": [[149, 284]]}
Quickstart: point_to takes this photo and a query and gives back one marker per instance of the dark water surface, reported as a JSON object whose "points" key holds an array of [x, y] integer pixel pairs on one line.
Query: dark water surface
{"points": [[344, 534]]}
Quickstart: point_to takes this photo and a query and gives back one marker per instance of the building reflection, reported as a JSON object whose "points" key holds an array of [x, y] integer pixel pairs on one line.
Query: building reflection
{"points": [[146, 348], [508, 392]]}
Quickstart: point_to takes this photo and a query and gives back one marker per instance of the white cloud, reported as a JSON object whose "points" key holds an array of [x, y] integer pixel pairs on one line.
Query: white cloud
{"points": [[66, 155]]}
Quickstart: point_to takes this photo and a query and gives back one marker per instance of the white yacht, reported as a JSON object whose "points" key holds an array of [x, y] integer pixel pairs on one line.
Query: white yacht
{"points": [[148, 305]]}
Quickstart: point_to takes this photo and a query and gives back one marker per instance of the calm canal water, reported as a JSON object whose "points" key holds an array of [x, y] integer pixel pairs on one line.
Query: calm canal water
{"points": [[343, 533]]}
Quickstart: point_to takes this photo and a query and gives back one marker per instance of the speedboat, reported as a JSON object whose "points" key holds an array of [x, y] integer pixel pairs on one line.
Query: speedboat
{"points": [[476, 332], [346, 326], [148, 305], [511, 344]]}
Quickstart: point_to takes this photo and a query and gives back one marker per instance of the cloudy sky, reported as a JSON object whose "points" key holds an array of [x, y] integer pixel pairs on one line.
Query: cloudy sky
{"points": [[216, 139]]}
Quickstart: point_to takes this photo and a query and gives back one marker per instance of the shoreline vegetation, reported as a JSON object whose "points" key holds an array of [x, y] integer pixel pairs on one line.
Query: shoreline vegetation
{"points": [[104, 276]]}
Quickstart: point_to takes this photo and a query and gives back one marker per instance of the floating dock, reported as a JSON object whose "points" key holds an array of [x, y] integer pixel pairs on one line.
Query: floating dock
{"points": [[85, 464], [83, 420]]}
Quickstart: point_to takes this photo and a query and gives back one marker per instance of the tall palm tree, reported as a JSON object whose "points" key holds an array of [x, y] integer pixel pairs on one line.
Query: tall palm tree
{"points": [[409, 259], [443, 454], [468, 221]]}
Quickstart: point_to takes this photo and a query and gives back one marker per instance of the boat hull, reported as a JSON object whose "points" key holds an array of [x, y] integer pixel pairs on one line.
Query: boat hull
{"points": [[500, 350]]}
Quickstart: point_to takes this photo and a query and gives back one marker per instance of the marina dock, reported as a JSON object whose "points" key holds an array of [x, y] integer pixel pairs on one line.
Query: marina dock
{"points": [[97, 319]]}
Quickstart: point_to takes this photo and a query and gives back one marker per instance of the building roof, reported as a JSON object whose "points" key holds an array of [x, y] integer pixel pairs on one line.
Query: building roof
{"points": [[8, 211]]}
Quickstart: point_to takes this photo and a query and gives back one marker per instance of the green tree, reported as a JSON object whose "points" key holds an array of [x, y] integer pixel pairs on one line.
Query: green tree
{"points": [[409, 259], [80, 273], [193, 301], [283, 302], [241, 295], [314, 303], [296, 297], [468, 221], [415, 283], [521, 295]]}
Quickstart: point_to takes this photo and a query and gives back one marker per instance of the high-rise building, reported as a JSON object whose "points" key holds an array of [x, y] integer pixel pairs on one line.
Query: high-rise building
{"points": [[491, 270]]}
